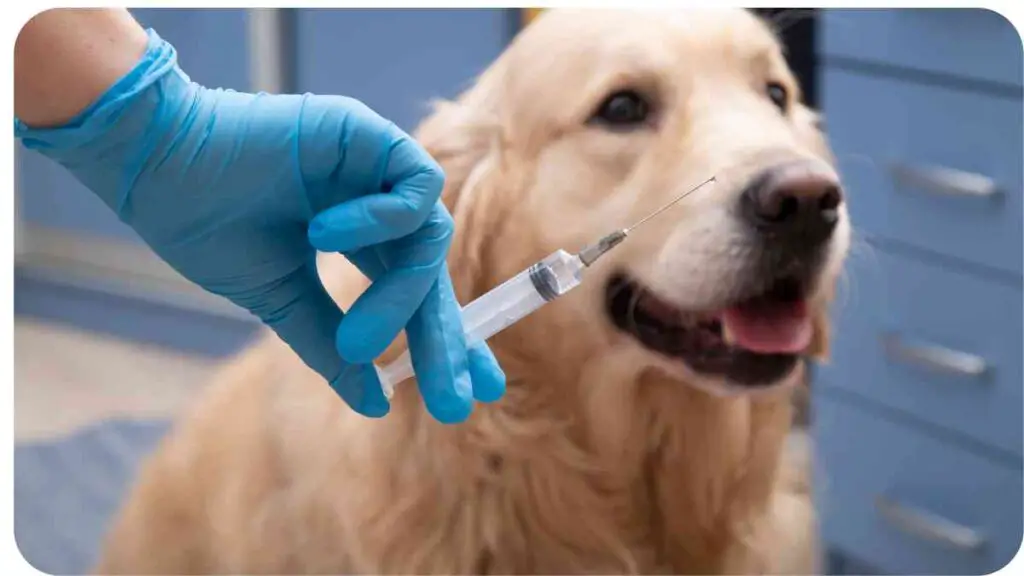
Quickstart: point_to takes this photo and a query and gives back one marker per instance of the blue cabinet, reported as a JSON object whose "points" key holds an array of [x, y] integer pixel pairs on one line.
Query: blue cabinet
{"points": [[940, 345], [967, 44], [918, 418], [908, 502], [934, 167]]}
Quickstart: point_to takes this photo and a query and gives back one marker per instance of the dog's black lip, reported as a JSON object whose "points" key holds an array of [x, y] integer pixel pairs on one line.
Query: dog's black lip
{"points": [[687, 343]]}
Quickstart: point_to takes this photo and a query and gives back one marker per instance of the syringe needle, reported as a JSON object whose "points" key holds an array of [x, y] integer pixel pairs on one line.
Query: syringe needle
{"points": [[667, 205], [590, 253]]}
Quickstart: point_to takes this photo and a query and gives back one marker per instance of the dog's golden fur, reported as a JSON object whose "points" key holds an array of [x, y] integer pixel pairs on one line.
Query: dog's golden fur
{"points": [[601, 458]]}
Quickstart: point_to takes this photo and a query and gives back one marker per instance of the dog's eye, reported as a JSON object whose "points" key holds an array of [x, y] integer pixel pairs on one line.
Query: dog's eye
{"points": [[623, 109], [778, 95]]}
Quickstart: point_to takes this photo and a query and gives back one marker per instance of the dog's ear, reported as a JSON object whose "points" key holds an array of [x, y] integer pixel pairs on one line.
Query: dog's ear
{"points": [[461, 137], [466, 139]]}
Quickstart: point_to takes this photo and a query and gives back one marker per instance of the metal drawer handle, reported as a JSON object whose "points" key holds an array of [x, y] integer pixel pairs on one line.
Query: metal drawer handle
{"points": [[934, 357], [926, 525], [944, 180]]}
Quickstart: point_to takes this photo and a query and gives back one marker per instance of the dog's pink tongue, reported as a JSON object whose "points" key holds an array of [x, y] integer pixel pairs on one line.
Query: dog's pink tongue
{"points": [[770, 327]]}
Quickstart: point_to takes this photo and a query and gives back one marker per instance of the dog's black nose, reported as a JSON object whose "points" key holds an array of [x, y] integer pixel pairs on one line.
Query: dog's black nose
{"points": [[794, 203]]}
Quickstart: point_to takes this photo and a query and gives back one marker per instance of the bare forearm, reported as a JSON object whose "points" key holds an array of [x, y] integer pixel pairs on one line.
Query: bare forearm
{"points": [[65, 58]]}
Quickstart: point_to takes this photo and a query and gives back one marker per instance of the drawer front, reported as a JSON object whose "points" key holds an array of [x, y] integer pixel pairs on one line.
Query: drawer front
{"points": [[932, 167], [906, 503], [937, 344], [970, 43]]}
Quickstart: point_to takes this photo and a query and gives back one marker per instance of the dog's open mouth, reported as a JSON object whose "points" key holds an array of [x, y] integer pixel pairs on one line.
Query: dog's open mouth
{"points": [[753, 342]]}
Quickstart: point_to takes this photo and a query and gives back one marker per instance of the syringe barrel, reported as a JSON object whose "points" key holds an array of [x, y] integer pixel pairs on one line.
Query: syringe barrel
{"points": [[503, 306]]}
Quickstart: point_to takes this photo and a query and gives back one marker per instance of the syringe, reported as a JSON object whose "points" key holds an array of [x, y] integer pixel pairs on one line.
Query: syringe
{"points": [[526, 292]]}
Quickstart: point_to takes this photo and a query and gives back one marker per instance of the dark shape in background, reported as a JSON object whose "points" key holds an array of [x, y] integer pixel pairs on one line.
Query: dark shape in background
{"points": [[797, 28]]}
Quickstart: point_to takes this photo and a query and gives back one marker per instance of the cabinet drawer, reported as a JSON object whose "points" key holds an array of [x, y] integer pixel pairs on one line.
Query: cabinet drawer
{"points": [[940, 345], [932, 167], [970, 43], [907, 503]]}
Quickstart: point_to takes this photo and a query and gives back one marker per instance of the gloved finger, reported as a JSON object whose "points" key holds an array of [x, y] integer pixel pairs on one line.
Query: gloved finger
{"points": [[379, 314], [487, 376], [360, 388], [301, 313], [437, 346], [413, 181], [488, 379], [370, 263]]}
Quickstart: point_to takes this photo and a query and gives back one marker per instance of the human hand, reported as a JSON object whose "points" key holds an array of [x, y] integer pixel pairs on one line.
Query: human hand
{"points": [[235, 190]]}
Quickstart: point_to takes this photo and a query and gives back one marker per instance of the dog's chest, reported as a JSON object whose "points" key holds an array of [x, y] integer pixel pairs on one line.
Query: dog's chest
{"points": [[559, 515]]}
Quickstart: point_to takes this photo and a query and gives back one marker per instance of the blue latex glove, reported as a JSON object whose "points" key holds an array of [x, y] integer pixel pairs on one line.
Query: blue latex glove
{"points": [[235, 190]]}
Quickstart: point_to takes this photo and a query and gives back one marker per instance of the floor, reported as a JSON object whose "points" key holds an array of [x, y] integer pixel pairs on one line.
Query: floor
{"points": [[65, 379]]}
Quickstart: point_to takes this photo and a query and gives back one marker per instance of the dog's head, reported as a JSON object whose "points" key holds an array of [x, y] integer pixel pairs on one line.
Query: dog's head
{"points": [[592, 119]]}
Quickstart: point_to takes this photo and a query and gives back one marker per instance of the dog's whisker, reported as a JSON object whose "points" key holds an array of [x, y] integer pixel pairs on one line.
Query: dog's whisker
{"points": [[858, 158], [846, 281]]}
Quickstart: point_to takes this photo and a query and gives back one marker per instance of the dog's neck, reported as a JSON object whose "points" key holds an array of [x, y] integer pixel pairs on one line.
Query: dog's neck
{"points": [[680, 469]]}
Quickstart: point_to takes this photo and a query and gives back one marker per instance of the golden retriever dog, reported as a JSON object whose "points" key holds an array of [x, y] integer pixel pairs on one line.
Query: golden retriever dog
{"points": [[645, 424]]}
